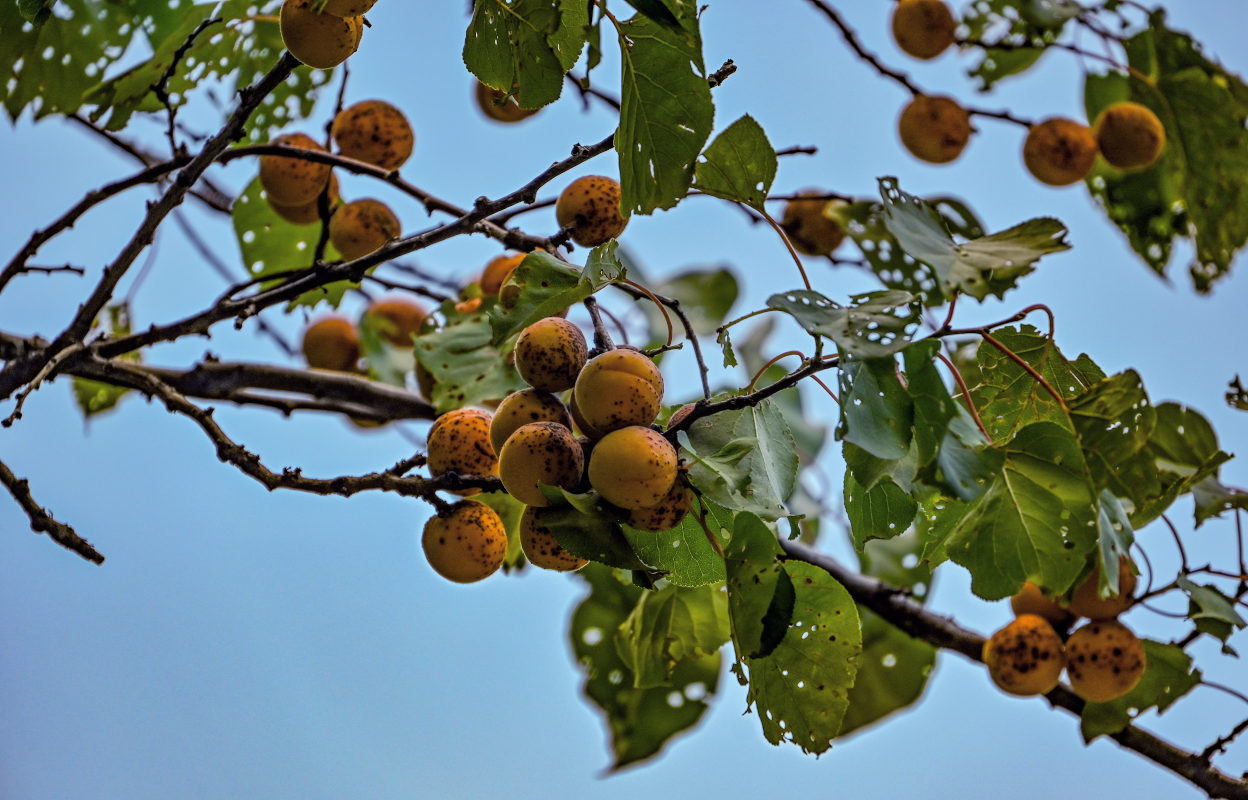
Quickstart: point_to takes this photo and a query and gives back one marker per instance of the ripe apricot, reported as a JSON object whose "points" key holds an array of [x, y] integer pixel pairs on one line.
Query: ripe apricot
{"points": [[499, 106], [540, 452], [588, 431], [291, 181], [619, 388], [540, 546], [1025, 657], [934, 129], [1059, 151], [811, 224], [590, 206], [332, 343], [1031, 600], [665, 514], [550, 354], [633, 467], [1104, 660], [459, 441], [1129, 135], [307, 213], [321, 41], [522, 407], [498, 271], [396, 320], [1086, 600], [923, 28], [362, 227], [466, 543], [348, 8], [374, 131]]}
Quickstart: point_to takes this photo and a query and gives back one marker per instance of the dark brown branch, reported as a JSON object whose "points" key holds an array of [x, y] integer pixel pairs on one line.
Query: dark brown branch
{"points": [[41, 520]]}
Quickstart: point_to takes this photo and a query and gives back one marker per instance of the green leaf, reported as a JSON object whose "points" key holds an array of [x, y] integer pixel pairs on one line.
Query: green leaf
{"points": [[875, 324], [1036, 521], [666, 113], [934, 407], [1026, 26], [966, 462], [542, 286], [739, 165], [1114, 537], [876, 410], [525, 47], [1168, 675], [684, 553], [671, 625], [641, 721], [1212, 498], [587, 527], [746, 459], [979, 267], [760, 592], [1207, 602], [1185, 450], [467, 369], [94, 397], [658, 10], [883, 512], [36, 11], [509, 510]]}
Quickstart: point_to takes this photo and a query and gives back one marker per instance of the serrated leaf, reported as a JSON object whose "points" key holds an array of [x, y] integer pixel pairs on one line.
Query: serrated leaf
{"points": [[466, 367], [882, 512], [684, 553], [876, 410], [671, 625], [745, 459], [666, 113], [1114, 421], [739, 165], [525, 47], [875, 324], [1168, 675]]}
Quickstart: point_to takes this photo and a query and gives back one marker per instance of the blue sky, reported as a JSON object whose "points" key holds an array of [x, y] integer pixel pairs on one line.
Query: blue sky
{"points": [[245, 644]]}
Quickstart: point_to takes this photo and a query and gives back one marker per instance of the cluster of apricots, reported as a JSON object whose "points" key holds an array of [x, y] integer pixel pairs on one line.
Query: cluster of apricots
{"points": [[1057, 151], [1103, 659], [333, 342], [529, 441]]}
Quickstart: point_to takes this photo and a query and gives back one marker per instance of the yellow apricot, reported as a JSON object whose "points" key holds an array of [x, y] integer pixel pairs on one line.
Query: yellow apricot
{"points": [[923, 28], [633, 467], [498, 271], [466, 543], [588, 431], [348, 8], [934, 129], [396, 320], [499, 106], [332, 343], [459, 441], [619, 388], [1059, 151], [1104, 660], [665, 514], [321, 41], [307, 213], [1031, 600], [362, 227], [1086, 600], [291, 181], [540, 546], [1025, 657], [550, 354], [811, 225], [522, 407], [540, 452], [1129, 135], [374, 131], [590, 206]]}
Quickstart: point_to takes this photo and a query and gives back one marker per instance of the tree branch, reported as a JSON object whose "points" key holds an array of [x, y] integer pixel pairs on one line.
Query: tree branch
{"points": [[41, 520]]}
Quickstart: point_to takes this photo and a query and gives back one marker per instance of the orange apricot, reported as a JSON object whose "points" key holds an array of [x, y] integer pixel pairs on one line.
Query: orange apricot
{"points": [[1086, 600], [1129, 135], [522, 407], [321, 41], [550, 354], [374, 131], [923, 28], [459, 441], [362, 227], [540, 453], [590, 206], [466, 543], [1059, 151], [1104, 660], [934, 129], [811, 224], [1025, 657], [617, 389], [332, 343], [500, 106], [633, 467], [396, 320], [292, 181]]}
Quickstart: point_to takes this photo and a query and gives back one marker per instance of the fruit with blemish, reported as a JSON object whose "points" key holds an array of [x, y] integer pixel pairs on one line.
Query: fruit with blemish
{"points": [[1086, 600], [466, 543], [362, 227], [617, 389], [293, 181], [498, 271], [348, 8], [374, 131], [1025, 657], [332, 343], [923, 28], [540, 546], [1129, 135], [934, 129], [811, 223], [499, 106], [307, 213], [665, 514], [1104, 660], [633, 467], [396, 320], [1031, 600], [320, 40], [590, 206], [522, 407], [459, 441], [550, 354], [540, 453], [1059, 151]]}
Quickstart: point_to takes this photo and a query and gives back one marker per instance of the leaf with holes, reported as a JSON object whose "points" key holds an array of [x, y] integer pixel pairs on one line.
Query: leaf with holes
{"points": [[1115, 421], [640, 721], [1168, 675], [525, 47], [684, 554], [666, 112], [760, 593], [1185, 450], [671, 625], [746, 459], [1021, 31], [882, 512], [874, 324], [1035, 522], [934, 407], [876, 410], [466, 368], [739, 165]]}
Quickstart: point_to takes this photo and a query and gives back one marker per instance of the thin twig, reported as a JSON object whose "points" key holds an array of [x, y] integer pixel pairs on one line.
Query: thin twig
{"points": [[41, 520]]}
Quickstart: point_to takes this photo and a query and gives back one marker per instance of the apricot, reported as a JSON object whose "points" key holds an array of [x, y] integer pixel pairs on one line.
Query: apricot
{"points": [[934, 129], [291, 181], [1104, 660], [500, 106], [540, 452], [1129, 135], [466, 543], [332, 343], [362, 227], [523, 407], [540, 546], [811, 224], [348, 8], [665, 514], [1086, 600], [633, 467], [678, 416], [1031, 600], [374, 131], [396, 320], [550, 354], [322, 41], [1025, 657], [923, 28], [590, 206], [588, 431], [617, 389], [498, 271], [459, 441], [1059, 151]]}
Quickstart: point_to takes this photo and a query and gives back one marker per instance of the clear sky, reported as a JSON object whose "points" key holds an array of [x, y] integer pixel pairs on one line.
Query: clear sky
{"points": [[245, 644]]}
